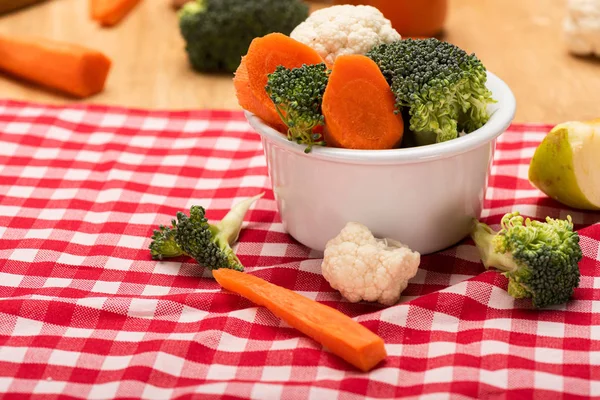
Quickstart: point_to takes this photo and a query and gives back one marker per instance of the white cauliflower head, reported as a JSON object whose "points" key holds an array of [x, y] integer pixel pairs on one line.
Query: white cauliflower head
{"points": [[363, 267], [345, 29], [582, 27]]}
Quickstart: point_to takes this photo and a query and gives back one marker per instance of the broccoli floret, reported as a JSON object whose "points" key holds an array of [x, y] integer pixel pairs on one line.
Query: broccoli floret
{"points": [[437, 85], [163, 243], [298, 95], [218, 33], [210, 245], [540, 259]]}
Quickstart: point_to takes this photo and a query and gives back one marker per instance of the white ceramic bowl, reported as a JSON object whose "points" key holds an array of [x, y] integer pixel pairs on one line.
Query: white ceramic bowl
{"points": [[424, 197]]}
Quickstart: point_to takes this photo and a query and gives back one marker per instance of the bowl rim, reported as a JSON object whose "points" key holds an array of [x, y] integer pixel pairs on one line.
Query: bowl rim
{"points": [[500, 120]]}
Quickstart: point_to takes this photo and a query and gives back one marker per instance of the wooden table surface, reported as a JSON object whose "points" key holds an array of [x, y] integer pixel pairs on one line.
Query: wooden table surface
{"points": [[518, 40]]}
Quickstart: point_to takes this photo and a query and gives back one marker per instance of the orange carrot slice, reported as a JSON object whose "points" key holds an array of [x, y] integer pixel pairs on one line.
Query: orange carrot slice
{"points": [[111, 12], [248, 101], [69, 68], [264, 55], [358, 106], [339, 333]]}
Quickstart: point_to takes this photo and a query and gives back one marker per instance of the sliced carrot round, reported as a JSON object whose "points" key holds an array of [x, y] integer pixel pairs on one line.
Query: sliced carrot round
{"points": [[358, 106], [264, 55], [248, 101]]}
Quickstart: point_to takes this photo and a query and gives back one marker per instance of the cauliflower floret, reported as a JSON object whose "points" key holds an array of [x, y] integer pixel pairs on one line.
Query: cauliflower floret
{"points": [[582, 27], [345, 29], [363, 267]]}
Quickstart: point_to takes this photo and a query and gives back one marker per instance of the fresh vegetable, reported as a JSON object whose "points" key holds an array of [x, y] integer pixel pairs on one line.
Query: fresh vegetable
{"points": [[412, 18], [209, 244], [177, 4], [540, 259], [344, 29], [111, 12], [358, 106], [582, 27], [298, 94], [69, 68], [248, 101], [218, 33], [437, 85], [12, 5], [337, 332], [566, 165], [363, 267], [267, 53]]}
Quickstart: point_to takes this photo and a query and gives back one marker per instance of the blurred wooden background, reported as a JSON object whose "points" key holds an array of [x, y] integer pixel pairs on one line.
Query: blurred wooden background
{"points": [[520, 41]]}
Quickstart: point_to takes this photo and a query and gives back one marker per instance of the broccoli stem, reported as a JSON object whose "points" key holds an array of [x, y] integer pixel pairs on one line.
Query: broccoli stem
{"points": [[172, 249], [483, 236], [228, 229]]}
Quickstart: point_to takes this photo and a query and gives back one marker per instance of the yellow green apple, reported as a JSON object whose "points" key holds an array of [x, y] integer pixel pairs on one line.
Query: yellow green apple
{"points": [[566, 164]]}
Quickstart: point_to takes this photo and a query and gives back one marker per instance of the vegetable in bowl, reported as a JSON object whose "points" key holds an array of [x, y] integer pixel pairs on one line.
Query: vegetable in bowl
{"points": [[345, 29], [440, 87], [438, 92], [298, 95]]}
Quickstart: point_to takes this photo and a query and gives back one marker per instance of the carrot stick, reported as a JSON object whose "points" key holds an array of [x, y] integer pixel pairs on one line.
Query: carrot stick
{"points": [[264, 55], [336, 331], [69, 68], [248, 101], [358, 106], [111, 12]]}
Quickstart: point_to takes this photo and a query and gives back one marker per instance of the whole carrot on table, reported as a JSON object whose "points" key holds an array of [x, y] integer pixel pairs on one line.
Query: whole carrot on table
{"points": [[13, 5], [69, 68], [111, 12]]}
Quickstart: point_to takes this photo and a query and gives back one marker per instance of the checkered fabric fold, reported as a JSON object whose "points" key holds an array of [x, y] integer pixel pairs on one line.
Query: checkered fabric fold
{"points": [[85, 313]]}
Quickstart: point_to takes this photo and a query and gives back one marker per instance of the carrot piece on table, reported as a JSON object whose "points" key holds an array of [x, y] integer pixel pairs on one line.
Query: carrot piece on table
{"points": [[7, 6], [334, 330], [111, 12], [358, 106], [69, 68], [248, 101], [264, 55]]}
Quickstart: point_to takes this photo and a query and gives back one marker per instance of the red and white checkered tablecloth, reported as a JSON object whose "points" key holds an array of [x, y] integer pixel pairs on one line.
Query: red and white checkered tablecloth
{"points": [[86, 314]]}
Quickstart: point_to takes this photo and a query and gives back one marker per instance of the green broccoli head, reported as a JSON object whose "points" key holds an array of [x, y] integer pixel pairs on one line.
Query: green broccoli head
{"points": [[210, 245], [298, 95], [218, 33], [201, 241], [540, 259], [440, 87]]}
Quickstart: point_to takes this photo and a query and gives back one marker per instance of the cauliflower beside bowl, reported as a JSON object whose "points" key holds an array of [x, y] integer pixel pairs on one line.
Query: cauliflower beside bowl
{"points": [[424, 197]]}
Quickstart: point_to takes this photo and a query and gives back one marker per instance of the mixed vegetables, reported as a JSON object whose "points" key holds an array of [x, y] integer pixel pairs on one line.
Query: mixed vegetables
{"points": [[540, 259], [371, 89], [391, 93]]}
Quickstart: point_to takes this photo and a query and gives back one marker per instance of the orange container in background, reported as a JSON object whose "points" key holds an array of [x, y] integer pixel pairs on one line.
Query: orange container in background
{"points": [[416, 18]]}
